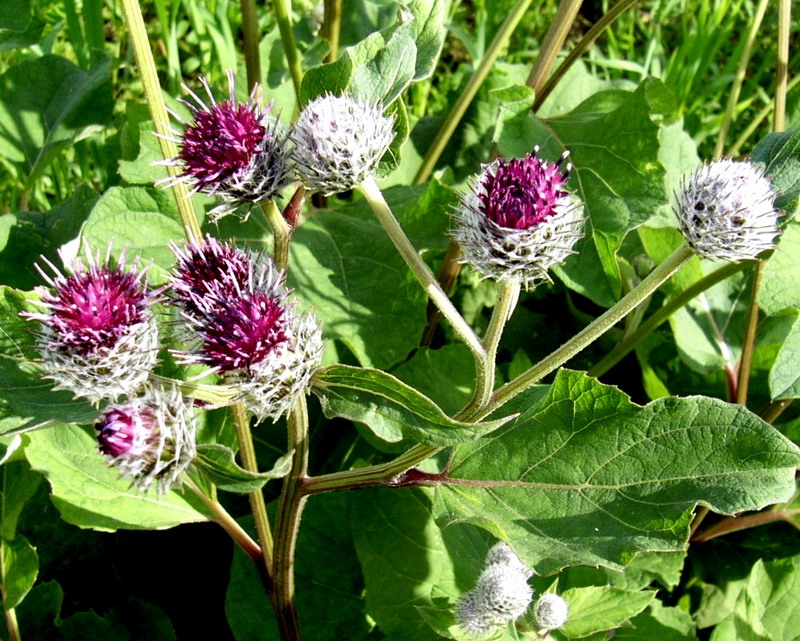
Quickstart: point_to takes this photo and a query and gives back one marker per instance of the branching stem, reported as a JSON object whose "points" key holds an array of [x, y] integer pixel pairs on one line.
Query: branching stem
{"points": [[281, 233]]}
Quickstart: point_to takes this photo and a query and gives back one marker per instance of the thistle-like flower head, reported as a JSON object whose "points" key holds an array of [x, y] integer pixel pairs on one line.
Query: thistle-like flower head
{"points": [[99, 338], [234, 150], [726, 211], [150, 439], [502, 594], [550, 612], [248, 330], [339, 142], [518, 221]]}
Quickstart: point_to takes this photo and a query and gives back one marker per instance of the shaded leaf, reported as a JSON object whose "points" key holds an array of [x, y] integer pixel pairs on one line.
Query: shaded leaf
{"points": [[19, 483], [659, 622], [780, 154], [218, 463], [587, 477], [20, 568], [390, 408], [89, 493]]}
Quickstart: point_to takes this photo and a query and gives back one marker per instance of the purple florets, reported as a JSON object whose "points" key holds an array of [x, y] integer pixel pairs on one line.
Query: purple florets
{"points": [[124, 429], [522, 192]]}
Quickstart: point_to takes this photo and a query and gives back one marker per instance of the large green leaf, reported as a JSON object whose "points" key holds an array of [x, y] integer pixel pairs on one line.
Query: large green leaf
{"points": [[780, 283], [89, 493], [595, 608], [390, 408], [46, 104], [18, 27], [343, 264], [614, 138], [587, 477], [768, 608], [784, 377], [19, 483], [20, 568], [659, 622], [780, 153]]}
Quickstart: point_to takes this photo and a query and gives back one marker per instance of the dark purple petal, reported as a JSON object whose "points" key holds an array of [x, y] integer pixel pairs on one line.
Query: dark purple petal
{"points": [[124, 427]]}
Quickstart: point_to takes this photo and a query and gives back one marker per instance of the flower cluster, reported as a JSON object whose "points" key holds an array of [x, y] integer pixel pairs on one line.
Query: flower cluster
{"points": [[248, 331], [518, 221], [502, 594], [98, 337], [726, 211], [236, 151], [150, 438]]}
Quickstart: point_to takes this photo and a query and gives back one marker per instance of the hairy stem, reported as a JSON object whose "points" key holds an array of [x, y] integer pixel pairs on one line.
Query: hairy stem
{"points": [[247, 452], [252, 59], [624, 347], [283, 15], [581, 48], [596, 329], [281, 233], [553, 43], [506, 302], [463, 101], [749, 343], [234, 530], [290, 510], [421, 270], [158, 110]]}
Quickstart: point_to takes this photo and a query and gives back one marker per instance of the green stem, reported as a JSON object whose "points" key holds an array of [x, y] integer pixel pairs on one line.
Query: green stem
{"points": [[422, 272], [283, 15], [382, 474], [247, 452], [460, 106], [738, 81], [506, 302], [629, 342], [158, 110], [252, 59], [596, 329], [290, 510], [12, 626], [782, 63], [332, 26], [227, 523], [749, 343], [773, 410], [553, 43], [581, 48], [281, 233], [446, 277]]}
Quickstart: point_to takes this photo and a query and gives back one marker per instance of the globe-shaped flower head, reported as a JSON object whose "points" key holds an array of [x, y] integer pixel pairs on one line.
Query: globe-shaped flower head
{"points": [[248, 330], [726, 211], [517, 221], [339, 142], [550, 612], [233, 150], [150, 439], [99, 338]]}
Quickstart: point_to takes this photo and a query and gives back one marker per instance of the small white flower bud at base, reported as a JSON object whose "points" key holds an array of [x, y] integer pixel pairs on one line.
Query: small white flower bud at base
{"points": [[550, 612]]}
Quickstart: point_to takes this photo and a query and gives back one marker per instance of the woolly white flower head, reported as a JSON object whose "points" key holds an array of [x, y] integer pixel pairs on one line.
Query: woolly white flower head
{"points": [[502, 594], [517, 221], [339, 142], [550, 612], [99, 338], [726, 210], [150, 439]]}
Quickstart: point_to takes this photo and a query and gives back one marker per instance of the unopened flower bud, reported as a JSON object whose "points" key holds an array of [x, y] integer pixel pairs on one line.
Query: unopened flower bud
{"points": [[99, 338], [150, 439], [550, 612], [339, 142], [726, 211], [518, 221], [236, 151], [502, 594]]}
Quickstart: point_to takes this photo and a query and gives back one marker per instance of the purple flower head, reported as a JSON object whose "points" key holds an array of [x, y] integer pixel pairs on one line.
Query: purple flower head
{"points": [[234, 150], [150, 439], [517, 221], [207, 268], [99, 338], [249, 332], [523, 192]]}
